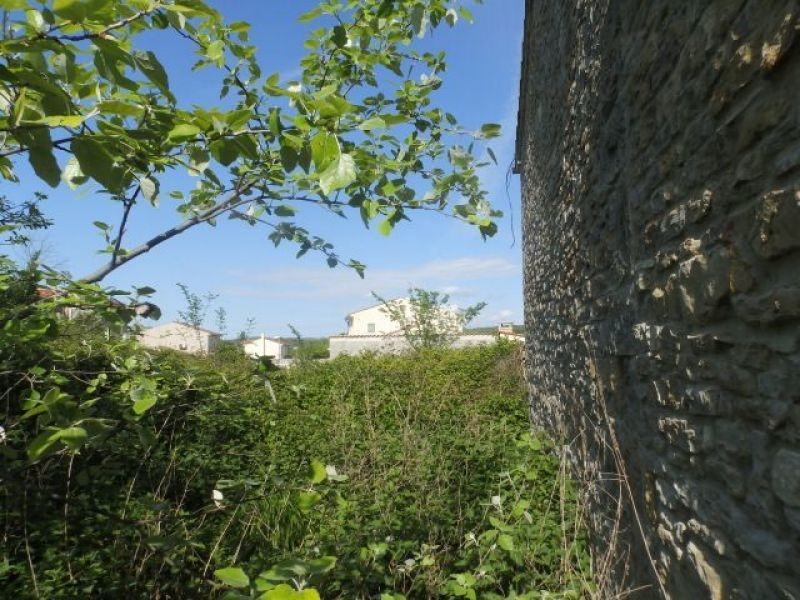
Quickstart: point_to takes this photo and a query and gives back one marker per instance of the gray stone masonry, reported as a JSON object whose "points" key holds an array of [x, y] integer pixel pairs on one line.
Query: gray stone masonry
{"points": [[659, 149]]}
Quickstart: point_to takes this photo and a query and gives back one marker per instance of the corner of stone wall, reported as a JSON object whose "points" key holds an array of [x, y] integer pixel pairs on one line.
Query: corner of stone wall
{"points": [[660, 160]]}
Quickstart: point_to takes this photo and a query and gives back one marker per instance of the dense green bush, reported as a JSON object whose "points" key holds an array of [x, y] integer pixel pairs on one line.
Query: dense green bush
{"points": [[435, 486], [137, 474]]}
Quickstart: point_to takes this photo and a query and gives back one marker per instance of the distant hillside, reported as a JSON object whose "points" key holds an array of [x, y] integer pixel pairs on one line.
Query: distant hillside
{"points": [[488, 330]]}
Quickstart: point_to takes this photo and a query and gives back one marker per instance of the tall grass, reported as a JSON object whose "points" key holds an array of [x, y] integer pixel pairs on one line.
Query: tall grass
{"points": [[372, 477]]}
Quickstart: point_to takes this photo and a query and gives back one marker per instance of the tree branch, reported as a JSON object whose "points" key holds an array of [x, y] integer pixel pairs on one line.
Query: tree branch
{"points": [[230, 203], [128, 205], [99, 34]]}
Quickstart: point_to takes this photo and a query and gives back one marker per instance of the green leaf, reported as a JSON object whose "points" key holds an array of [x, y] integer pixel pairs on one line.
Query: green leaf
{"points": [[73, 437], [224, 151], [233, 577], [340, 173], [284, 211], [215, 51], [183, 132], [385, 227], [123, 109], [149, 64], [466, 14], [281, 592], [339, 36], [275, 121], [144, 398], [490, 152], [323, 564], [40, 154], [149, 187], [419, 20], [506, 542], [73, 10], [36, 20], [13, 4], [310, 15], [45, 165], [63, 120], [307, 500], [41, 444], [324, 150], [97, 162], [490, 130], [318, 473], [238, 119], [289, 157], [372, 123], [334, 106]]}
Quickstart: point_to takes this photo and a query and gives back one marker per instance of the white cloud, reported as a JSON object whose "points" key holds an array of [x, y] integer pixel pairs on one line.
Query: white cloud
{"points": [[503, 315], [319, 282]]}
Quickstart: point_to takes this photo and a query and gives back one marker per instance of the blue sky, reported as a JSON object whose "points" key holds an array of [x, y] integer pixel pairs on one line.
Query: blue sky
{"points": [[254, 279]]}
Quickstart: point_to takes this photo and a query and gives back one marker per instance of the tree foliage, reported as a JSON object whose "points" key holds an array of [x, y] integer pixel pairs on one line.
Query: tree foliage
{"points": [[358, 132], [426, 318]]}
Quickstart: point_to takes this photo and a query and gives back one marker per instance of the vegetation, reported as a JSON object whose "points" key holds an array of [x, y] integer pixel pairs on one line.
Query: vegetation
{"points": [[135, 474], [304, 349], [428, 320], [361, 133]]}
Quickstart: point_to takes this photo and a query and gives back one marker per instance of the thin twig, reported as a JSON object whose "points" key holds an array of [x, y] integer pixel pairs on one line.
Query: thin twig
{"points": [[126, 211]]}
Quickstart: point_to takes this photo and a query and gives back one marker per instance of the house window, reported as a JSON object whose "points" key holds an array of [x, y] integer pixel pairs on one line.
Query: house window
{"points": [[370, 327]]}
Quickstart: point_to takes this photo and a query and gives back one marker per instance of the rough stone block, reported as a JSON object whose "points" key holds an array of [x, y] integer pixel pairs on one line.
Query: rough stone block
{"points": [[778, 223], [703, 283], [707, 572], [772, 307], [786, 476], [658, 144]]}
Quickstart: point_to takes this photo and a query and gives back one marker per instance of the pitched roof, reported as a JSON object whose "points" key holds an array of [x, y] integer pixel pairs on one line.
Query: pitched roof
{"points": [[374, 306], [268, 338], [203, 329]]}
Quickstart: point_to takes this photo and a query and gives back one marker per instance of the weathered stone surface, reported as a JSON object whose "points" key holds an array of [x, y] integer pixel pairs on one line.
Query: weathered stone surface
{"points": [[659, 148], [786, 476], [715, 587], [773, 306], [778, 221]]}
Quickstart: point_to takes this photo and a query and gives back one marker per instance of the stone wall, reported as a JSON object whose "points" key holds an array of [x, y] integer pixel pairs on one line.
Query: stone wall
{"points": [[393, 344], [659, 149]]}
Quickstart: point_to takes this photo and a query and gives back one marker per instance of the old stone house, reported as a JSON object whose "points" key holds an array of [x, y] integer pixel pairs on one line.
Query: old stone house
{"points": [[180, 336], [658, 145]]}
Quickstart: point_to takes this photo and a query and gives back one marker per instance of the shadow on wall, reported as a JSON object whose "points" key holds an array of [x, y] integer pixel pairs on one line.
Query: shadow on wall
{"points": [[658, 149]]}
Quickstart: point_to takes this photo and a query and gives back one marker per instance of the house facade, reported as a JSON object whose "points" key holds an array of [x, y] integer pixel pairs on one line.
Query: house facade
{"points": [[274, 349], [375, 320], [180, 336], [372, 329]]}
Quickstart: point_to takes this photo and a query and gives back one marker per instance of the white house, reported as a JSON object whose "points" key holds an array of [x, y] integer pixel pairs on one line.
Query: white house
{"points": [[375, 320], [180, 336], [273, 348], [373, 329]]}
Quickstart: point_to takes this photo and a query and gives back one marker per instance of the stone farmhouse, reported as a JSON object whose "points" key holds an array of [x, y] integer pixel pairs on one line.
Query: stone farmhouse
{"points": [[180, 336]]}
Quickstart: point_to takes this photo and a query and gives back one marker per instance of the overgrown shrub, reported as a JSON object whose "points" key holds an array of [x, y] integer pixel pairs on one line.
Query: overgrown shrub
{"points": [[133, 474]]}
